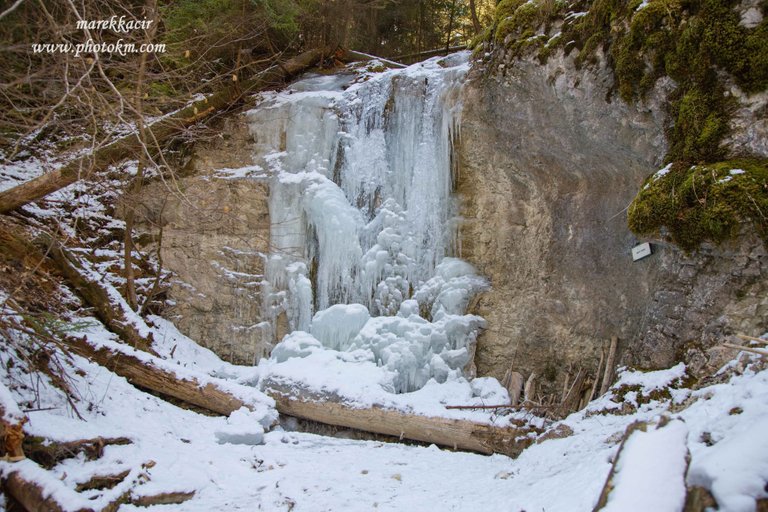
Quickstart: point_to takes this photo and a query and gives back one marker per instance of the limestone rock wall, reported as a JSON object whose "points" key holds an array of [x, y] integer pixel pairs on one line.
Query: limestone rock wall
{"points": [[215, 232], [549, 163]]}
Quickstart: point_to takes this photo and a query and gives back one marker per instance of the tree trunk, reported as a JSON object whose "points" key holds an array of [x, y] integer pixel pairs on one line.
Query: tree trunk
{"points": [[453, 433], [415, 57], [110, 308], [32, 496], [451, 17], [609, 364], [475, 20], [135, 189], [157, 375], [353, 56], [48, 453], [158, 132]]}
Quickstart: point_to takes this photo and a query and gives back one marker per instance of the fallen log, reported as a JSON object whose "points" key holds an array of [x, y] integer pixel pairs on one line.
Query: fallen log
{"points": [[11, 427], [354, 56], [642, 447], [109, 305], [25, 486], [107, 302], [101, 482], [458, 434], [415, 57], [49, 453], [159, 131], [152, 373], [164, 498]]}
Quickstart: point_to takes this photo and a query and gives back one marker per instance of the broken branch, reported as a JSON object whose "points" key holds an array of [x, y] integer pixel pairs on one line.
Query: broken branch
{"points": [[759, 351]]}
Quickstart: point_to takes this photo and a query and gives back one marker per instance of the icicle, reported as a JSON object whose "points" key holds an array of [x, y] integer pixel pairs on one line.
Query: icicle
{"points": [[361, 204]]}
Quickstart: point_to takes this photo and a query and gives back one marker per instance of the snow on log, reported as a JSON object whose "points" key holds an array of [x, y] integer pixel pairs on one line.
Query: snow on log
{"points": [[649, 470], [49, 453], [37, 489], [452, 433], [355, 56], [110, 306], [146, 371], [11, 426], [159, 131]]}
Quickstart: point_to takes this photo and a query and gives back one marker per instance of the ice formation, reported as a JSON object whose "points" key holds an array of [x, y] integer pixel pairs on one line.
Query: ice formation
{"points": [[363, 219]]}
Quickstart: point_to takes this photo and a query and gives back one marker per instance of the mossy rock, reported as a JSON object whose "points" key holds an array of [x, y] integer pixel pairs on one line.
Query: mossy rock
{"points": [[522, 19], [703, 202]]}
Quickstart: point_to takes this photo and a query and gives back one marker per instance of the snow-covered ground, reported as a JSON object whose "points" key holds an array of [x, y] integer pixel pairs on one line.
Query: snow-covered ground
{"points": [[364, 353], [723, 427]]}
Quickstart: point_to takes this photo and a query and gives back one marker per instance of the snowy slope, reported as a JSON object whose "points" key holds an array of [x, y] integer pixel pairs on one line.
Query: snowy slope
{"points": [[306, 472]]}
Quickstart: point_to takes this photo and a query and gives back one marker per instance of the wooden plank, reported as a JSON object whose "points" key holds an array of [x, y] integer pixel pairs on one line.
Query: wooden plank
{"points": [[609, 366]]}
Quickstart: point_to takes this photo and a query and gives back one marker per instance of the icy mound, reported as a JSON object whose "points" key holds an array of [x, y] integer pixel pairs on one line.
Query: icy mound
{"points": [[410, 348], [338, 325]]}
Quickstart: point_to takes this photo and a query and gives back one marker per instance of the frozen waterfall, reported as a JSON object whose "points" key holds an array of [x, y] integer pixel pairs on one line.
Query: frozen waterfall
{"points": [[363, 220]]}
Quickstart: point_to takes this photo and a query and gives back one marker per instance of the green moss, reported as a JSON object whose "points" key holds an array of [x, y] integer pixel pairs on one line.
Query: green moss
{"points": [[521, 20], [703, 202], [691, 41], [701, 46], [507, 8]]}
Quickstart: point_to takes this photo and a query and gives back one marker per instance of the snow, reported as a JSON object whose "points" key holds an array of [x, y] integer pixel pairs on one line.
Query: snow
{"points": [[651, 381], [662, 172], [250, 171], [231, 464], [11, 412], [243, 427], [643, 483]]}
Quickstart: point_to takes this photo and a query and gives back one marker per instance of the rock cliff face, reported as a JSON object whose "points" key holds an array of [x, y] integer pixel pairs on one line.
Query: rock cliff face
{"points": [[548, 165], [215, 231]]}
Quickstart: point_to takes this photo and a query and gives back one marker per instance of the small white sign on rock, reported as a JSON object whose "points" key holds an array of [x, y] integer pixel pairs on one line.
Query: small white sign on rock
{"points": [[641, 251]]}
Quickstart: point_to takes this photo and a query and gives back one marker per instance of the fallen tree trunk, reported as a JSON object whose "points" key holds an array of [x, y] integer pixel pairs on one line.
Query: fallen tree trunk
{"points": [[429, 53], [354, 56], [160, 131], [49, 454], [164, 498], [452, 433], [110, 308], [642, 446], [156, 375], [32, 496]]}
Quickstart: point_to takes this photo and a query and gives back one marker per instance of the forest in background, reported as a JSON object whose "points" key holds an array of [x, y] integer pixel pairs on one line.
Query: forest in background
{"points": [[68, 99]]}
